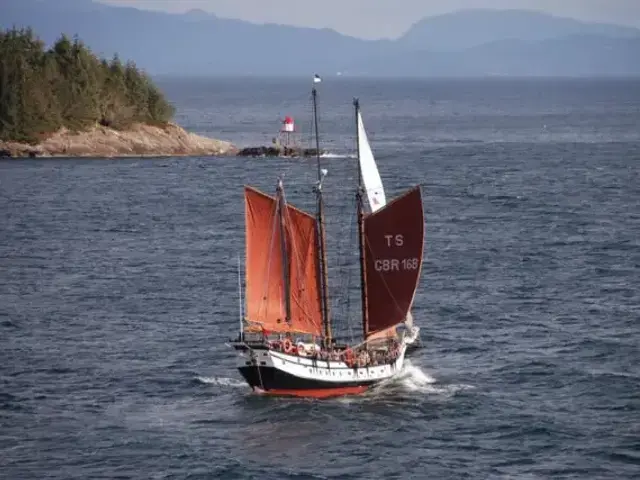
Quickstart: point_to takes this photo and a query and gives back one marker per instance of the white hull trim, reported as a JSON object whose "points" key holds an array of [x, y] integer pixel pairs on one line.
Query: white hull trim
{"points": [[332, 372]]}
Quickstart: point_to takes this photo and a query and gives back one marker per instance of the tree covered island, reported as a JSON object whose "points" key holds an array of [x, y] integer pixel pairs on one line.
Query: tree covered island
{"points": [[66, 101]]}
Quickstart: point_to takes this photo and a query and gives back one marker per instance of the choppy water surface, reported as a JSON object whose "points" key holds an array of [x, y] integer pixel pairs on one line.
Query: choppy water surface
{"points": [[118, 291]]}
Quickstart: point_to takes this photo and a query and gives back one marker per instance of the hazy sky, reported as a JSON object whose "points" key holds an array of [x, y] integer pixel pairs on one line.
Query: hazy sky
{"points": [[385, 18]]}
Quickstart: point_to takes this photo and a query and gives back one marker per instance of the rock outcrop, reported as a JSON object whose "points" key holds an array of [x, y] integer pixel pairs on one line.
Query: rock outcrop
{"points": [[140, 140], [277, 151]]}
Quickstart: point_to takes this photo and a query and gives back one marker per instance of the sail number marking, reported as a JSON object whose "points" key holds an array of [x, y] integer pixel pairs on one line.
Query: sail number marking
{"points": [[396, 265], [394, 240]]}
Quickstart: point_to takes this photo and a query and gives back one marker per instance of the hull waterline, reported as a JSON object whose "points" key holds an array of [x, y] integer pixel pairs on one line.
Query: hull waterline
{"points": [[274, 373]]}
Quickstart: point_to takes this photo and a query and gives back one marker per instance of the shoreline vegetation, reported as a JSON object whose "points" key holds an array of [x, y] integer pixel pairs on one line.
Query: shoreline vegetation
{"points": [[67, 102]]}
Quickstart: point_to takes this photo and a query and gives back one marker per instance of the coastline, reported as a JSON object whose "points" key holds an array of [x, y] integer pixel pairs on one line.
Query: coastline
{"points": [[140, 140]]}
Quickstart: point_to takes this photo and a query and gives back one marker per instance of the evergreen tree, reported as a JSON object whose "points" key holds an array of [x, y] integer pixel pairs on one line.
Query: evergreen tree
{"points": [[68, 86]]}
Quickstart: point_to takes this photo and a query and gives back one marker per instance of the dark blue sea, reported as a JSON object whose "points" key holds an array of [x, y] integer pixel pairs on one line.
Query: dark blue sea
{"points": [[118, 290]]}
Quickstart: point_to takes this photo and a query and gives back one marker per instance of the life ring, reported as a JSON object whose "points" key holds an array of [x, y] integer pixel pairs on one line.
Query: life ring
{"points": [[348, 357], [287, 346], [300, 350]]}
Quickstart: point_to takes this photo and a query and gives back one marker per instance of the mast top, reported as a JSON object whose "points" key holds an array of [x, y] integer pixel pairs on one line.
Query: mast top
{"points": [[314, 92]]}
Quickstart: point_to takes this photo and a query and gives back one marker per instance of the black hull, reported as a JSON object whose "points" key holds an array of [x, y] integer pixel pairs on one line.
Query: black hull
{"points": [[270, 379]]}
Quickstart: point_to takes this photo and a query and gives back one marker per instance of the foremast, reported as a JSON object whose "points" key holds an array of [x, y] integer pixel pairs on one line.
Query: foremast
{"points": [[283, 249], [320, 232], [361, 238]]}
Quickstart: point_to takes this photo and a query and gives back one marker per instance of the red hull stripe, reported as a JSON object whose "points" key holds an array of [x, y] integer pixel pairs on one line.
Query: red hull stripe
{"points": [[315, 393]]}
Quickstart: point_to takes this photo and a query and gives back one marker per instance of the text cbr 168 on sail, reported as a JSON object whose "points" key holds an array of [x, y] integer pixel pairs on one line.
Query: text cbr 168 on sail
{"points": [[394, 264]]}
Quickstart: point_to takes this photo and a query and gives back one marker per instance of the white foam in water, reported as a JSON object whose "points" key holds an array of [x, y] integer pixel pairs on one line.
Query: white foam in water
{"points": [[222, 381], [337, 155], [413, 379], [410, 379]]}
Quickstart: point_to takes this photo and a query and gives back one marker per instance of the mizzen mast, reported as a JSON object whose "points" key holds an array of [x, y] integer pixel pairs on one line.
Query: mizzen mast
{"points": [[323, 270], [361, 238]]}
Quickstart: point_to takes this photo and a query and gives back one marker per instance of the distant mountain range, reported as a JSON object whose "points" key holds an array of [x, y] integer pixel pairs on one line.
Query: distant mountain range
{"points": [[465, 43]]}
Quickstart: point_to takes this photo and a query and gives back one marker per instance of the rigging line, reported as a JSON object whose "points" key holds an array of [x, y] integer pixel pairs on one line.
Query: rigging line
{"points": [[353, 265], [347, 265], [311, 123], [342, 263], [307, 316], [352, 231]]}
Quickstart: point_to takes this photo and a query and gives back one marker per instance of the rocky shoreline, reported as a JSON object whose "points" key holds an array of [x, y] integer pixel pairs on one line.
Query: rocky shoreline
{"points": [[278, 151], [140, 140]]}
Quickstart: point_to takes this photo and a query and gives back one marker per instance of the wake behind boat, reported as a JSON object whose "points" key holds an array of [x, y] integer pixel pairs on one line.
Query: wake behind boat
{"points": [[286, 343]]}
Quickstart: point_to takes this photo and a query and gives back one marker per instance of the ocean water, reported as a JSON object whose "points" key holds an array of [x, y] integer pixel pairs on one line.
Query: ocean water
{"points": [[118, 290]]}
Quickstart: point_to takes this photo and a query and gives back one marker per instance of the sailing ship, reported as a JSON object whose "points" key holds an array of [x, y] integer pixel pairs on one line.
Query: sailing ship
{"points": [[286, 344], [374, 189]]}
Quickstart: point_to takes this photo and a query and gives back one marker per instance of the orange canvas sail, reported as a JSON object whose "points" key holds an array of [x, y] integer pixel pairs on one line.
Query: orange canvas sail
{"points": [[385, 334], [302, 249], [393, 238], [265, 266]]}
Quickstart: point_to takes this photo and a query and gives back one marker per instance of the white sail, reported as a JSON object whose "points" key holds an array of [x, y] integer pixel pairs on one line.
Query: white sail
{"points": [[370, 176]]}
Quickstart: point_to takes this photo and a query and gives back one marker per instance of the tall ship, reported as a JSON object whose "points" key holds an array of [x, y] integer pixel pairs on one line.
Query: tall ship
{"points": [[286, 344]]}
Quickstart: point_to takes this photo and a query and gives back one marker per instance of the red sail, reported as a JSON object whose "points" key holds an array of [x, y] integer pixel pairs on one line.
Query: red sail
{"points": [[394, 237], [265, 266], [302, 251]]}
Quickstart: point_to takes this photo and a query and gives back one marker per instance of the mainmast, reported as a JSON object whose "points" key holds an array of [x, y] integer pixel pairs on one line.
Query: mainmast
{"points": [[326, 317], [361, 239]]}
